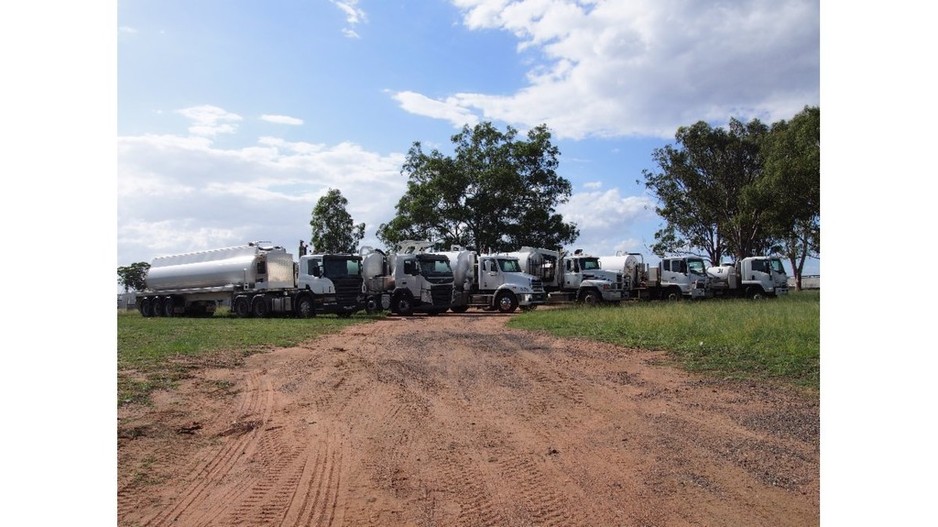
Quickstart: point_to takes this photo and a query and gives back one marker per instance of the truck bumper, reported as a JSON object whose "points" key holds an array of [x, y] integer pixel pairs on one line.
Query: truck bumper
{"points": [[698, 293], [612, 296]]}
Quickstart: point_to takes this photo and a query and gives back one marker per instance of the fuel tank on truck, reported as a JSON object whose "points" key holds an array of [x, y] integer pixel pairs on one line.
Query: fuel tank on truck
{"points": [[629, 265], [377, 269], [463, 263], [374, 262], [222, 268]]}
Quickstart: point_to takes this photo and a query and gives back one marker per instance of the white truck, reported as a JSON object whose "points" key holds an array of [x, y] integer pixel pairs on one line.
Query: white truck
{"points": [[258, 279], [573, 277], [674, 278], [492, 281], [753, 277], [408, 280]]}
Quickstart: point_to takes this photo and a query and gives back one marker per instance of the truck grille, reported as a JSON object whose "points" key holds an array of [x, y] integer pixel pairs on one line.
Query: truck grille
{"points": [[537, 286], [347, 290], [442, 295]]}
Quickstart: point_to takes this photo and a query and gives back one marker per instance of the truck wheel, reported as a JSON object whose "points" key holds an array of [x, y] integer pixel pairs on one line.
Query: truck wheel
{"points": [[674, 295], [459, 309], [168, 307], [145, 307], [305, 307], [755, 293], [506, 302], [404, 305], [591, 298], [241, 307], [259, 307], [157, 307]]}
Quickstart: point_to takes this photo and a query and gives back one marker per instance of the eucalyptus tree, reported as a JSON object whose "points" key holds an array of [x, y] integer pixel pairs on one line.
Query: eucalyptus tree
{"points": [[333, 230], [496, 192]]}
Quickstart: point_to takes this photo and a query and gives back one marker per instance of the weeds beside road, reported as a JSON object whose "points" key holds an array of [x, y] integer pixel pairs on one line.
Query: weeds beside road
{"points": [[775, 338]]}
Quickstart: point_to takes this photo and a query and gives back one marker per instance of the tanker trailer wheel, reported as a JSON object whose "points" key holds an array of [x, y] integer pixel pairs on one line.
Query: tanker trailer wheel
{"points": [[259, 306], [168, 307], [241, 307], [506, 302], [404, 305], [157, 307], [305, 307], [146, 307]]}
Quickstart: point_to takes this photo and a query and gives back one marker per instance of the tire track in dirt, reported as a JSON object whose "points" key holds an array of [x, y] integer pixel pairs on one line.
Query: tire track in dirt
{"points": [[257, 403], [456, 421]]}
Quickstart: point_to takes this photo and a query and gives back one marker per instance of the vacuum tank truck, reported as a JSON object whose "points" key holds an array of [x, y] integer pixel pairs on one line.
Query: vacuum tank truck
{"points": [[492, 282], [672, 279], [258, 279], [752, 277], [407, 280], [573, 277]]}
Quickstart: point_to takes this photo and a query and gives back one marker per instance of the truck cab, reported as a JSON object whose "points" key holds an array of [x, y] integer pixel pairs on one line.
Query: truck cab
{"points": [[593, 284], [681, 277], [335, 281], [765, 273], [422, 282]]}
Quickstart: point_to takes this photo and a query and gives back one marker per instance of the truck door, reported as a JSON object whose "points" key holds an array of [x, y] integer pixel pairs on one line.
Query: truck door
{"points": [[571, 274], [489, 278]]}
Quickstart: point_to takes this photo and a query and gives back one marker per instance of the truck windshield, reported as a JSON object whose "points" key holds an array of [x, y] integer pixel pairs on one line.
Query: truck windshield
{"points": [[338, 267], [434, 267], [509, 266], [777, 265], [696, 265], [588, 264]]}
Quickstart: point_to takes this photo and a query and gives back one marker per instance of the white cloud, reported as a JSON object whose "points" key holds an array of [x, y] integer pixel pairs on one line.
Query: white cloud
{"points": [[354, 15], [209, 121], [593, 185], [608, 221], [183, 193], [645, 67], [282, 119], [452, 109]]}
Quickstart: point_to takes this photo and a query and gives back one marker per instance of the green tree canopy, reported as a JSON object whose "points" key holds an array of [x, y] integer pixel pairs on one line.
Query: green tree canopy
{"points": [[741, 191], [792, 156], [133, 276], [333, 230], [709, 193], [497, 192]]}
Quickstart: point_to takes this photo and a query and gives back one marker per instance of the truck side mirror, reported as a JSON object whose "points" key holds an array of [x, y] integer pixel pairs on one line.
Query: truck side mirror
{"points": [[409, 267], [317, 271]]}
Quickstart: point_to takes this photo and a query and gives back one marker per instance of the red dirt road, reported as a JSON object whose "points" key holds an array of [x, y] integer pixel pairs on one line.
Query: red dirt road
{"points": [[457, 421]]}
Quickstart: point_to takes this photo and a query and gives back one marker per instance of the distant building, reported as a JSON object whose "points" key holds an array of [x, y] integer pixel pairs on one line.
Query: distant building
{"points": [[807, 282]]}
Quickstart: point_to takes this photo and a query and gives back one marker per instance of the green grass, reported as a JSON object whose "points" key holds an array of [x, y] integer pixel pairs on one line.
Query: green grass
{"points": [[776, 338], [156, 353]]}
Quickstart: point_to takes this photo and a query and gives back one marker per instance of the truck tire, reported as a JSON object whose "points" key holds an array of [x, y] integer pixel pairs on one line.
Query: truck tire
{"points": [[305, 307], [241, 307], [259, 306], [591, 298], [459, 309], [506, 302], [404, 305], [674, 294], [146, 307], [156, 305], [755, 293], [168, 307]]}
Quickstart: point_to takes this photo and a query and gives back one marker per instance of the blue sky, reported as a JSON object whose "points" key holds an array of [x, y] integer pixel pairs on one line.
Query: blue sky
{"points": [[234, 117]]}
